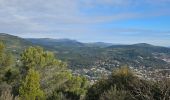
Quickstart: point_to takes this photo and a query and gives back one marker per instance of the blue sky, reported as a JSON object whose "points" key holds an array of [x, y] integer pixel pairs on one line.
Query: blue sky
{"points": [[113, 21]]}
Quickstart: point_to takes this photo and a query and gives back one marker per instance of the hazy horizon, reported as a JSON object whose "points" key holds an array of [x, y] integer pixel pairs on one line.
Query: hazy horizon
{"points": [[113, 43]]}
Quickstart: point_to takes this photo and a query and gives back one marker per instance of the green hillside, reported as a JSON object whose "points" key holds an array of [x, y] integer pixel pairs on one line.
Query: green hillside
{"points": [[83, 55], [14, 43], [86, 55]]}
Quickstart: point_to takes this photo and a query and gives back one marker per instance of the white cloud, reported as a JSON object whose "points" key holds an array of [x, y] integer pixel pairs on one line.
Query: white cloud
{"points": [[45, 16]]}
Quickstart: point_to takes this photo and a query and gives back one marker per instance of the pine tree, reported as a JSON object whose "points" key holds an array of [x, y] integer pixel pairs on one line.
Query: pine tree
{"points": [[30, 88], [6, 61], [37, 58], [52, 72]]}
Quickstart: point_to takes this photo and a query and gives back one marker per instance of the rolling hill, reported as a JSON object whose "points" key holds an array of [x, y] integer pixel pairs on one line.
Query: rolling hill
{"points": [[14, 44], [86, 55], [55, 42]]}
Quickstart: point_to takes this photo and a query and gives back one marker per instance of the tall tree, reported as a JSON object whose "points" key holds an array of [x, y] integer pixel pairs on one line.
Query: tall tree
{"points": [[37, 58], [30, 88], [6, 61], [54, 75], [53, 72]]}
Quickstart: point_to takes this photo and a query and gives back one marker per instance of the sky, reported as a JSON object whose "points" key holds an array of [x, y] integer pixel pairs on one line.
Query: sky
{"points": [[113, 21]]}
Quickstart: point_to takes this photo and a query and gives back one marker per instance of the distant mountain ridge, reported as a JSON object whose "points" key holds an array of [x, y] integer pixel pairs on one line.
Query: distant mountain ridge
{"points": [[143, 44], [86, 54], [99, 44], [99, 54], [67, 42], [55, 42]]}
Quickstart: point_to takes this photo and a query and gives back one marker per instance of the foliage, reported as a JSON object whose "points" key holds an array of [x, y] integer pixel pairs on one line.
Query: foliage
{"points": [[30, 88], [6, 58], [57, 96], [11, 76], [37, 74], [75, 88], [35, 57], [55, 78], [53, 72], [162, 90], [51, 84], [129, 87], [6, 61], [115, 94], [119, 78]]}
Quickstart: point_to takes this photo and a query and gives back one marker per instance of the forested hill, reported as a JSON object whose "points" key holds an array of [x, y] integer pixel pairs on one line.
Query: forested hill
{"points": [[144, 47], [86, 55], [38, 75], [56, 42], [14, 43]]}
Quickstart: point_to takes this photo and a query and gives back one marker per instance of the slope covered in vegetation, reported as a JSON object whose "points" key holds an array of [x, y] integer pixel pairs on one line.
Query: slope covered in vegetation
{"points": [[85, 55], [40, 76]]}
